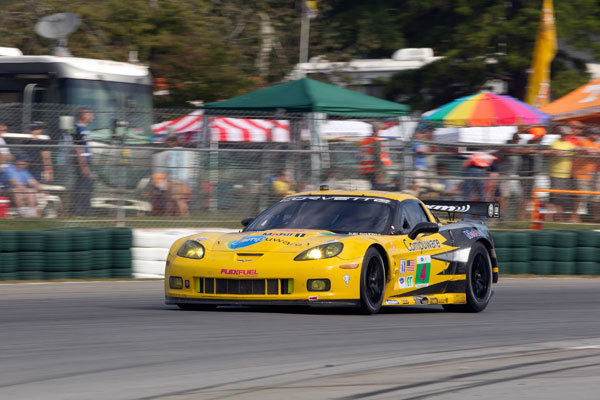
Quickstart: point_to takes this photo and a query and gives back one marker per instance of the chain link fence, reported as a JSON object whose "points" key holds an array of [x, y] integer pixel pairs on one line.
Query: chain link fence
{"points": [[225, 167]]}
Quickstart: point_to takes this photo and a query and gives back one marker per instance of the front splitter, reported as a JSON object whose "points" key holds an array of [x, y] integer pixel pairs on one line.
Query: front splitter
{"points": [[233, 302]]}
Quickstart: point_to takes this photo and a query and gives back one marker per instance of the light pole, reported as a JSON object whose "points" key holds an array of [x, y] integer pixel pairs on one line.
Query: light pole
{"points": [[309, 11], [304, 33]]}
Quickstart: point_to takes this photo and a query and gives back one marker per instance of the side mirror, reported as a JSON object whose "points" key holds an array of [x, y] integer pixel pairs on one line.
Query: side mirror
{"points": [[246, 221], [423, 227]]}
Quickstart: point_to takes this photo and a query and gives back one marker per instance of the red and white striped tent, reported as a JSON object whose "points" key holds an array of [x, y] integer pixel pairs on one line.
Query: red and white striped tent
{"points": [[224, 129]]}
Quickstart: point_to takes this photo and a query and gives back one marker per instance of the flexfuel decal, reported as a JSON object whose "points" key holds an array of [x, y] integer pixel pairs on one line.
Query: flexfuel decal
{"points": [[423, 271], [240, 272]]}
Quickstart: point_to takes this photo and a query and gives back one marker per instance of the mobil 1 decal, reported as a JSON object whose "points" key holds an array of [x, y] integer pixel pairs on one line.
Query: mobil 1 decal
{"points": [[423, 271]]}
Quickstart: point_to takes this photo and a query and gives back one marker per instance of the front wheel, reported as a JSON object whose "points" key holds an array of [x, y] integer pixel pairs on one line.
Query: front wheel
{"points": [[372, 282], [478, 281]]}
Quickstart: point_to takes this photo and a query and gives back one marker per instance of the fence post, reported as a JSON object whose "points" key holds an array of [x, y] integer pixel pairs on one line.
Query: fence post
{"points": [[213, 174]]}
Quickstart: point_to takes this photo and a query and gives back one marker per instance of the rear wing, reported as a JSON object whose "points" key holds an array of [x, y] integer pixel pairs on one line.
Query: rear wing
{"points": [[479, 208]]}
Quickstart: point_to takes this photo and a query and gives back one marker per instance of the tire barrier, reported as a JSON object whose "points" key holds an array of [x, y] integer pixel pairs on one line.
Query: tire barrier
{"points": [[151, 247], [102, 253], [66, 253], [548, 252]]}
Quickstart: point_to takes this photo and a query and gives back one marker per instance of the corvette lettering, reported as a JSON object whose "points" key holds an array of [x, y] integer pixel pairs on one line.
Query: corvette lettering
{"points": [[239, 272], [338, 198], [424, 245]]}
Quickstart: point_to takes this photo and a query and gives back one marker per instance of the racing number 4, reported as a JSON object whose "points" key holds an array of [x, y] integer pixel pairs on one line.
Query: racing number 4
{"points": [[423, 271]]}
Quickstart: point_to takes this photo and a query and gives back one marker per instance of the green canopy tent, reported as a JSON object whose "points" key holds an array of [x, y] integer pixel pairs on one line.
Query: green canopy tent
{"points": [[306, 97], [310, 96]]}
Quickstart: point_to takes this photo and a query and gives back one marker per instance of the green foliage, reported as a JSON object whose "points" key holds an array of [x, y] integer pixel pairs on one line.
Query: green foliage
{"points": [[208, 49]]}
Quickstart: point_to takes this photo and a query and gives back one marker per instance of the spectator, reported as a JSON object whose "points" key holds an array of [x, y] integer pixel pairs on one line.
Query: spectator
{"points": [[177, 178], [509, 166], [5, 156], [160, 184], [584, 167], [415, 189], [528, 167], [23, 186], [449, 188], [80, 202], [374, 158], [561, 163], [330, 179], [477, 166], [283, 185], [423, 161], [41, 158]]}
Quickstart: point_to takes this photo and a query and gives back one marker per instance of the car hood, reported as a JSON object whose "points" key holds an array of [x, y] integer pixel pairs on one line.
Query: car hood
{"points": [[277, 240]]}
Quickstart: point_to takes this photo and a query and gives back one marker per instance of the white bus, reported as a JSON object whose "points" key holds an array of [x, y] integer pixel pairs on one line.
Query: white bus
{"points": [[119, 93]]}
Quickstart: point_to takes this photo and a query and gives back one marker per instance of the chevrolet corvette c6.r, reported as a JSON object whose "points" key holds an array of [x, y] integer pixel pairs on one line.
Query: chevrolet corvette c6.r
{"points": [[363, 249]]}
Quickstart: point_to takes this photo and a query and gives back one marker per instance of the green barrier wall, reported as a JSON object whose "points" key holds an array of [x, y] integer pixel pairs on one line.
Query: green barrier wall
{"points": [[100, 253], [548, 252], [66, 253]]}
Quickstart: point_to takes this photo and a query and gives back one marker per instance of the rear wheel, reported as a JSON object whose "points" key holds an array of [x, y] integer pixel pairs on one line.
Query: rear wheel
{"points": [[478, 281], [372, 282]]}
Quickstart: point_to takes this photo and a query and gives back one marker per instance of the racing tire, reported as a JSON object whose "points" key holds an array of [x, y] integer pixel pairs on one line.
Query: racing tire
{"points": [[478, 282], [197, 307], [372, 282]]}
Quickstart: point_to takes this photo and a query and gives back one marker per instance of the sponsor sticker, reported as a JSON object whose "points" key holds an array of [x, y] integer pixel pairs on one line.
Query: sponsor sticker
{"points": [[388, 301], [405, 301], [402, 282], [245, 241], [423, 245], [472, 233], [239, 272], [410, 266], [200, 239], [409, 281], [423, 271], [402, 266]]}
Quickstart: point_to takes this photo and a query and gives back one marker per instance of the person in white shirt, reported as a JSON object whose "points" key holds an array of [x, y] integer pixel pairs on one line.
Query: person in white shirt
{"points": [[5, 155]]}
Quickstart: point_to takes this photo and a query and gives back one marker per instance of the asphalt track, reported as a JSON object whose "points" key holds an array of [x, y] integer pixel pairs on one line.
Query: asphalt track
{"points": [[539, 338]]}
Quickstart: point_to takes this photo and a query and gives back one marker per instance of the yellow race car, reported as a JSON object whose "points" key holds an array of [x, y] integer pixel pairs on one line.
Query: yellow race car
{"points": [[363, 249]]}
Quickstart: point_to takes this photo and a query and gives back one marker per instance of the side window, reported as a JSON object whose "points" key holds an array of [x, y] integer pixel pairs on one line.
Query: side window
{"points": [[409, 215]]}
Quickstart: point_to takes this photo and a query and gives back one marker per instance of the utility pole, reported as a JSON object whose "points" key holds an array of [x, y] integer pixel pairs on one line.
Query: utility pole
{"points": [[304, 33]]}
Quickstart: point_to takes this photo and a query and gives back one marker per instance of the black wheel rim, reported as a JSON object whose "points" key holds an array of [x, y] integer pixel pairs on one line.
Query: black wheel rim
{"points": [[374, 282], [480, 277]]}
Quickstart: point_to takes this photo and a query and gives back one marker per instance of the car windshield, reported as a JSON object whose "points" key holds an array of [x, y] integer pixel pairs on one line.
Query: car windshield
{"points": [[338, 214]]}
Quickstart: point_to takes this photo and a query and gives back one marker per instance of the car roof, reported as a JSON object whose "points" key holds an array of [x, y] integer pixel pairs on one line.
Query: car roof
{"points": [[373, 193]]}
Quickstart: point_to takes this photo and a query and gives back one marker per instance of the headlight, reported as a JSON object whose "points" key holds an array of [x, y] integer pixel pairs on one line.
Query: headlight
{"points": [[191, 249], [326, 250]]}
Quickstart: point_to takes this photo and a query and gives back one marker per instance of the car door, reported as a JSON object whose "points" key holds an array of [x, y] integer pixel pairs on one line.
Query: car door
{"points": [[415, 270]]}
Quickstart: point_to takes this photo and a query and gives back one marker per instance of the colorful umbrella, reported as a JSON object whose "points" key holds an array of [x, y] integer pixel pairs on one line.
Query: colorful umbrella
{"points": [[487, 109]]}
